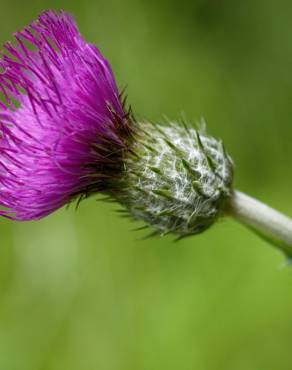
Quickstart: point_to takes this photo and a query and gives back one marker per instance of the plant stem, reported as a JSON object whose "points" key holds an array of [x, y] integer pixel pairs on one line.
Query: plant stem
{"points": [[262, 219]]}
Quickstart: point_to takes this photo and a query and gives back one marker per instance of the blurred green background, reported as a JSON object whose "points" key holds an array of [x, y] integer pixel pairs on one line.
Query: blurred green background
{"points": [[79, 290]]}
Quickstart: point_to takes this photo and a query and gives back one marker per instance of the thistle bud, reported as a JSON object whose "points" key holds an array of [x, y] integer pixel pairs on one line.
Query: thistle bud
{"points": [[175, 179]]}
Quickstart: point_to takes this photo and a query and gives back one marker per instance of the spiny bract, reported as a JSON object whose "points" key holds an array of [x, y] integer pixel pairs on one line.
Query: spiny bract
{"points": [[178, 180]]}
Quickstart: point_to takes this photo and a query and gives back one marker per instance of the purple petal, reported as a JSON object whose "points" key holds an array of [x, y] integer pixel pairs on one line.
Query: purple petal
{"points": [[61, 120]]}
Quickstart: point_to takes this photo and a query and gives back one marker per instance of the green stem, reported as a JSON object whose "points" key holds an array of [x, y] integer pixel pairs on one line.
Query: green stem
{"points": [[263, 220]]}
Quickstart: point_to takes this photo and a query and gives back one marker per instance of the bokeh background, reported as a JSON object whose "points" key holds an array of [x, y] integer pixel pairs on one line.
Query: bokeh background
{"points": [[80, 290]]}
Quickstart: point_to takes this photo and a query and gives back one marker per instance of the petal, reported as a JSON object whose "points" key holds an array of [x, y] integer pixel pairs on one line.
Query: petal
{"points": [[61, 120]]}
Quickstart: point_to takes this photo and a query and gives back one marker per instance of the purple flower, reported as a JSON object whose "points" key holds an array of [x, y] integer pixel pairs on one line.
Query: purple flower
{"points": [[63, 126]]}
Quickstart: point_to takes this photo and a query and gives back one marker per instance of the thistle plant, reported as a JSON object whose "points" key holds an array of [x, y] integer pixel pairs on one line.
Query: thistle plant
{"points": [[66, 133]]}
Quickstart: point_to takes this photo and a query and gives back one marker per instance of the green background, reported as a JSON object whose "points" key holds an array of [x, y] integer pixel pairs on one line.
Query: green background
{"points": [[80, 290]]}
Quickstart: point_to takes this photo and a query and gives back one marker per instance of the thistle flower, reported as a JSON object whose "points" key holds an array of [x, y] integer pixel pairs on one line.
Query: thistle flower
{"points": [[65, 133]]}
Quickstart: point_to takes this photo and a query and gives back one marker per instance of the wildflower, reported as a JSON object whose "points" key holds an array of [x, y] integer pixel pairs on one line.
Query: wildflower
{"points": [[65, 133]]}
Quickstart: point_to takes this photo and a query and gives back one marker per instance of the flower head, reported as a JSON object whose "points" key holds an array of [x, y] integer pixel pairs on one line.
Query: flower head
{"points": [[63, 126], [65, 133]]}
